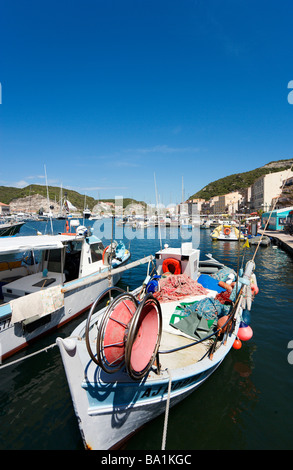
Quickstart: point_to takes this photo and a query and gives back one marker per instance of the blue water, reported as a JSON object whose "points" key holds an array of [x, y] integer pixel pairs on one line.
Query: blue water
{"points": [[246, 403]]}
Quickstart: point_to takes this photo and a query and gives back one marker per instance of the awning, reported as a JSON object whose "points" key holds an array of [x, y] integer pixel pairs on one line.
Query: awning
{"points": [[35, 242]]}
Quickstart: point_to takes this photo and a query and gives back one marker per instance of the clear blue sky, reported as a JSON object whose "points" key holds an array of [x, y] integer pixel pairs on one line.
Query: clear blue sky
{"points": [[105, 93]]}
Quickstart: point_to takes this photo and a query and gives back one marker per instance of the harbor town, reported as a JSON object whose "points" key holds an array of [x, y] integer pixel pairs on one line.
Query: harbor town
{"points": [[146, 229]]}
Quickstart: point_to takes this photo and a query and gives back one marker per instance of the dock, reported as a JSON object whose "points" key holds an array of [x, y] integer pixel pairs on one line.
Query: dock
{"points": [[282, 239]]}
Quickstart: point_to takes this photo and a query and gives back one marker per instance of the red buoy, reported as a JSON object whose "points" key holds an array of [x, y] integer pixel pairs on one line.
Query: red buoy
{"points": [[237, 344], [245, 333]]}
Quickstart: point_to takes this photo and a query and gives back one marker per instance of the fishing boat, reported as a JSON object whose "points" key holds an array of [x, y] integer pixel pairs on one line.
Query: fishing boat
{"points": [[150, 348], [47, 280], [227, 232], [9, 229]]}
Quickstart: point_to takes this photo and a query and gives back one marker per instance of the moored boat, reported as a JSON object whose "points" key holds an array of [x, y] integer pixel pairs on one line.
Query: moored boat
{"points": [[47, 280], [227, 232], [149, 349], [9, 229]]}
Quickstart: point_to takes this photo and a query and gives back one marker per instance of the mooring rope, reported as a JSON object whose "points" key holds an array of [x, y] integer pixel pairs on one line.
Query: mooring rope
{"points": [[166, 412], [28, 356]]}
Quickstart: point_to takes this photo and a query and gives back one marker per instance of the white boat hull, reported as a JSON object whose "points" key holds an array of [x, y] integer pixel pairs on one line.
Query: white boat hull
{"points": [[119, 405], [14, 337], [103, 354]]}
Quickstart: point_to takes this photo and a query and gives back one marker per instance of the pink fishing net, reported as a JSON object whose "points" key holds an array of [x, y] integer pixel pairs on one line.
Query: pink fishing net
{"points": [[177, 286]]}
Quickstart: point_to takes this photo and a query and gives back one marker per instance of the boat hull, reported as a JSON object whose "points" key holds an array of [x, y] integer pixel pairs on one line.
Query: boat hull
{"points": [[112, 407], [14, 337]]}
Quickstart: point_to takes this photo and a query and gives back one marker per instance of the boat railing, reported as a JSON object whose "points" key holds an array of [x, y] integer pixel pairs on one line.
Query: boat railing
{"points": [[104, 275]]}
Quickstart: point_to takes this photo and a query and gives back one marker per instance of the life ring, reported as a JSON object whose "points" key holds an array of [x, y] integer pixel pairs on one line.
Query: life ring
{"points": [[227, 231], [172, 266], [104, 252], [67, 226]]}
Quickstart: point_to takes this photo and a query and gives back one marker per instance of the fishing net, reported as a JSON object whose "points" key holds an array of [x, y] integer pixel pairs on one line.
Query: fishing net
{"points": [[222, 274], [176, 286]]}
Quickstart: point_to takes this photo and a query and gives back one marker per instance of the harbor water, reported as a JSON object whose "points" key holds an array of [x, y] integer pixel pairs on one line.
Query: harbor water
{"points": [[245, 404]]}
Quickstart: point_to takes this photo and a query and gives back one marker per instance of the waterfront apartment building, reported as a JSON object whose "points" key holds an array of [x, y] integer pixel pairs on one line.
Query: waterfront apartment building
{"points": [[266, 188], [228, 203]]}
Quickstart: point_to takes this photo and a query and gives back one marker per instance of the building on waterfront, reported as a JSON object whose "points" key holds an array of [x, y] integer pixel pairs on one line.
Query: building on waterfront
{"points": [[4, 209], [228, 203], [266, 188]]}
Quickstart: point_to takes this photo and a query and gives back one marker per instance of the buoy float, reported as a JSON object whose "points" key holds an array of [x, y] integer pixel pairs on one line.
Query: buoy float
{"points": [[221, 325], [227, 231], [245, 333], [253, 285], [254, 289], [225, 286], [237, 344]]}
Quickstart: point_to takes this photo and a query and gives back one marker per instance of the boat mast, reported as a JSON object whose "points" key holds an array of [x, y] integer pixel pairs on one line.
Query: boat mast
{"points": [[49, 210]]}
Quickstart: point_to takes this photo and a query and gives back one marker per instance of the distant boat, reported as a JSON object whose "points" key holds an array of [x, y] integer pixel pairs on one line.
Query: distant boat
{"points": [[227, 232], [86, 213], [10, 228], [149, 349], [47, 280]]}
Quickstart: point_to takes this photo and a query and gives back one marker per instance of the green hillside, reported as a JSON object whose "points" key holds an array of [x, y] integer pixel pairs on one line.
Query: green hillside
{"points": [[239, 181], [7, 194]]}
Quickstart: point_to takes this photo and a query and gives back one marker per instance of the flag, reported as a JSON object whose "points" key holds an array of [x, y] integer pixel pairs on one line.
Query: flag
{"points": [[246, 244]]}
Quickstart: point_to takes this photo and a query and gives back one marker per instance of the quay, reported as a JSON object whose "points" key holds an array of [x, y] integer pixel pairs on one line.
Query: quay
{"points": [[284, 240]]}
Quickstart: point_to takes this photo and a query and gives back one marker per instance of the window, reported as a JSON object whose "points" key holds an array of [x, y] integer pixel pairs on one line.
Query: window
{"points": [[97, 251]]}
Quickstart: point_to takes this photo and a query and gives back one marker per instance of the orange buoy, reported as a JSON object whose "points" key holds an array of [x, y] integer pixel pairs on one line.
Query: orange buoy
{"points": [[221, 324], [227, 231], [237, 344], [226, 286]]}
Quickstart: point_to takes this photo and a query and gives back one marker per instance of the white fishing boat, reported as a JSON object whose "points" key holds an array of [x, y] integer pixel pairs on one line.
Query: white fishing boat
{"points": [[47, 280], [227, 232], [149, 349]]}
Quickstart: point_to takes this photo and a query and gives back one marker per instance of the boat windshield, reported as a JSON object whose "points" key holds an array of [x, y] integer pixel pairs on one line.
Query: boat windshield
{"points": [[97, 251]]}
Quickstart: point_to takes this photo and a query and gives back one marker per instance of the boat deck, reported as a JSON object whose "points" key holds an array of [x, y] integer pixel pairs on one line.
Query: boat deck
{"points": [[184, 357]]}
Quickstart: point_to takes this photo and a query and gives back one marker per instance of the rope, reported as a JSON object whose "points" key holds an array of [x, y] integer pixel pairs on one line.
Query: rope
{"points": [[29, 356], [166, 413]]}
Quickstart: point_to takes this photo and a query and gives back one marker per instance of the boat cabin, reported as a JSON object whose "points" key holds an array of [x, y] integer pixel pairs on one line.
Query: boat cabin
{"points": [[31, 263]]}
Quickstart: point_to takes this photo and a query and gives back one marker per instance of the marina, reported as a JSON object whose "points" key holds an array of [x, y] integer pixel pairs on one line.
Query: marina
{"points": [[146, 229], [249, 410]]}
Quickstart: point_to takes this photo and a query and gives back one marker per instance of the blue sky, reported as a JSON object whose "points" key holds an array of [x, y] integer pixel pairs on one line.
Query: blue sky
{"points": [[107, 93]]}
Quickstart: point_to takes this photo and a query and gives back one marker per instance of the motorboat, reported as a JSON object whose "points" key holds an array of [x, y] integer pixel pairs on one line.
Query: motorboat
{"points": [[8, 229], [227, 232], [47, 280]]}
